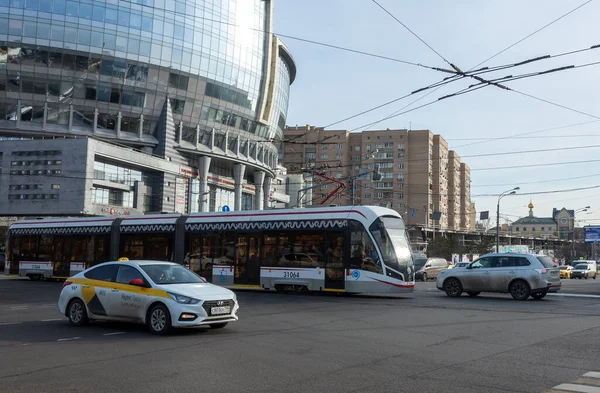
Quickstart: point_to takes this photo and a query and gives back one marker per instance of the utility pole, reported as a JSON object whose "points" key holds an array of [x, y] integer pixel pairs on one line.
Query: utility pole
{"points": [[505, 193]]}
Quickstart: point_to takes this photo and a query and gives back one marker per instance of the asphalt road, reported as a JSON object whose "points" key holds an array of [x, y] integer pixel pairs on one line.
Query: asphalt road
{"points": [[425, 342]]}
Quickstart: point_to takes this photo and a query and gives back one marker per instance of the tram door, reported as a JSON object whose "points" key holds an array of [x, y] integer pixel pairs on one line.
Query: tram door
{"points": [[334, 268], [247, 265], [62, 252]]}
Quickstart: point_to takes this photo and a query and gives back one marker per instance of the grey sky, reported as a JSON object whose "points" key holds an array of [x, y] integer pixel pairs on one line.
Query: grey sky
{"points": [[332, 85]]}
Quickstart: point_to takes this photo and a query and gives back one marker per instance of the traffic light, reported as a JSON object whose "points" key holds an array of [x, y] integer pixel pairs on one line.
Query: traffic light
{"points": [[376, 174]]}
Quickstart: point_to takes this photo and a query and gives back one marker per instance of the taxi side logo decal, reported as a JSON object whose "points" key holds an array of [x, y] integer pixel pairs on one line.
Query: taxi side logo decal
{"points": [[96, 307]]}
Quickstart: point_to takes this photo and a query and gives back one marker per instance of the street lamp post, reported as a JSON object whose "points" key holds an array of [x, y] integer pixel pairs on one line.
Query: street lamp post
{"points": [[583, 209], [512, 191]]}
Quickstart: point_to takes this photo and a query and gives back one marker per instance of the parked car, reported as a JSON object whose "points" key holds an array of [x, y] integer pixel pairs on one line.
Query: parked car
{"points": [[521, 275], [429, 268], [565, 271], [584, 269]]}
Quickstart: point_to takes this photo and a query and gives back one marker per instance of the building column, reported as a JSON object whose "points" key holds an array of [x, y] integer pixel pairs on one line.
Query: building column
{"points": [[259, 178], [238, 178], [95, 123], [18, 113], [267, 190], [141, 127], [118, 125], [45, 117], [70, 117], [203, 164]]}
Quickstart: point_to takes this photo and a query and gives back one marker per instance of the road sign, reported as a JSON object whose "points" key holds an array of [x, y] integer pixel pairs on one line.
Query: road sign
{"points": [[591, 233], [225, 208]]}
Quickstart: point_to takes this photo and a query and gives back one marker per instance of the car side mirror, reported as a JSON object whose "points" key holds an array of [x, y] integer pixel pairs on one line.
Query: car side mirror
{"points": [[138, 282]]}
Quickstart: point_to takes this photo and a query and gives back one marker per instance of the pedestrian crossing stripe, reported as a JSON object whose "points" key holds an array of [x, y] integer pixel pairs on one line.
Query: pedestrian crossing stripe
{"points": [[587, 383]]}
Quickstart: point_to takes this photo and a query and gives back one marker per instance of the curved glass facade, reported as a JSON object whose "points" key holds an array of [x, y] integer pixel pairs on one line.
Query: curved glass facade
{"points": [[107, 67]]}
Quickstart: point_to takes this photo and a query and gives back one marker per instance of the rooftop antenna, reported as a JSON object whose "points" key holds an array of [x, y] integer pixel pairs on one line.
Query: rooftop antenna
{"points": [[410, 126]]}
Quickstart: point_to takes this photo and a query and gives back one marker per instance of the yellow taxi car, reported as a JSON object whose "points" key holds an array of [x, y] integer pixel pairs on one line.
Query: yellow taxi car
{"points": [[565, 271], [161, 295]]}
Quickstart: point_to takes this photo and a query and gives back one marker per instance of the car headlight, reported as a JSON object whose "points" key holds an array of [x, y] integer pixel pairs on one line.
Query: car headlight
{"points": [[183, 299]]}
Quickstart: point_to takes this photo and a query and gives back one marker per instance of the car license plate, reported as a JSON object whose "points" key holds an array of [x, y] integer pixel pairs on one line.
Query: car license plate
{"points": [[220, 310]]}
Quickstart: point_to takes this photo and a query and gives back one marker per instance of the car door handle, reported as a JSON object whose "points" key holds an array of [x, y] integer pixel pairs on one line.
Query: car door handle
{"points": [[85, 286], [114, 290], [486, 273], [512, 272]]}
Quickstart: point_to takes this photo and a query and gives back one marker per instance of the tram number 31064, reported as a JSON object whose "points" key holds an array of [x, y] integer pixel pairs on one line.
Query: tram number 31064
{"points": [[291, 275]]}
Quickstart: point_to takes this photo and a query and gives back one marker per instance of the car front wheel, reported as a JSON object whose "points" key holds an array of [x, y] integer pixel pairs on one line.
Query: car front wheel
{"points": [[519, 290], [452, 287], [159, 319], [424, 277], [77, 313]]}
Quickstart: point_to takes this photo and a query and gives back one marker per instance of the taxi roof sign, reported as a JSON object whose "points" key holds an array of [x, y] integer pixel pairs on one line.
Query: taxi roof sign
{"points": [[123, 259]]}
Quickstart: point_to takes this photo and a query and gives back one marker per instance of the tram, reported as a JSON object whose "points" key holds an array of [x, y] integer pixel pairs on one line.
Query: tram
{"points": [[353, 249]]}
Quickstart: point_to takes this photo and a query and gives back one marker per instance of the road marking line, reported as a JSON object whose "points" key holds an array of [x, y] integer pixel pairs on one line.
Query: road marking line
{"points": [[113, 333], [18, 308], [68, 339], [52, 320], [571, 387], [9, 323], [592, 374], [574, 295], [48, 306]]}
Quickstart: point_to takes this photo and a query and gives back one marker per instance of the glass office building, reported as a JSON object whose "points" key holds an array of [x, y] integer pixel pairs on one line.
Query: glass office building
{"points": [[200, 83]]}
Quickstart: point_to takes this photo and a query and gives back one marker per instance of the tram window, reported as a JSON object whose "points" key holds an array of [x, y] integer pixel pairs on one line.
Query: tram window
{"points": [[224, 250], [363, 254], [100, 253], [24, 248], [89, 251], [158, 248], [335, 251], [309, 250], [270, 257], [78, 249], [132, 247], [45, 248], [285, 251]]}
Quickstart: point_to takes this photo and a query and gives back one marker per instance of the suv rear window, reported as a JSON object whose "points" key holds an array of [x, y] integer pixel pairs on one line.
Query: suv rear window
{"points": [[546, 262]]}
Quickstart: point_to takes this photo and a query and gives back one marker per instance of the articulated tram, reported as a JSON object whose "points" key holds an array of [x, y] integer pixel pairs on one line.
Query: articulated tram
{"points": [[341, 249]]}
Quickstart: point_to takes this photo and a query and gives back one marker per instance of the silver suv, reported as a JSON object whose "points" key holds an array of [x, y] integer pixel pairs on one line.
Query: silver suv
{"points": [[521, 275]]}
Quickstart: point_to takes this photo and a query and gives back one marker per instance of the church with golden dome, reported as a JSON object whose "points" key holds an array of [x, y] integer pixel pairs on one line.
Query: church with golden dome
{"points": [[558, 226]]}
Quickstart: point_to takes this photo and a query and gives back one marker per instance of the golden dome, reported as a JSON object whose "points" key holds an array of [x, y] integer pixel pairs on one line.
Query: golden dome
{"points": [[530, 205]]}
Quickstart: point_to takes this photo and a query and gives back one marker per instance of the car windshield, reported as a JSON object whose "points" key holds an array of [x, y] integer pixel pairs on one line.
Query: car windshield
{"points": [[419, 263], [171, 274], [581, 266], [390, 236]]}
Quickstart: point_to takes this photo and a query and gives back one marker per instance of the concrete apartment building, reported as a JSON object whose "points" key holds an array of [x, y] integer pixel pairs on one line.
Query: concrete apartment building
{"points": [[453, 190], [420, 175]]}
